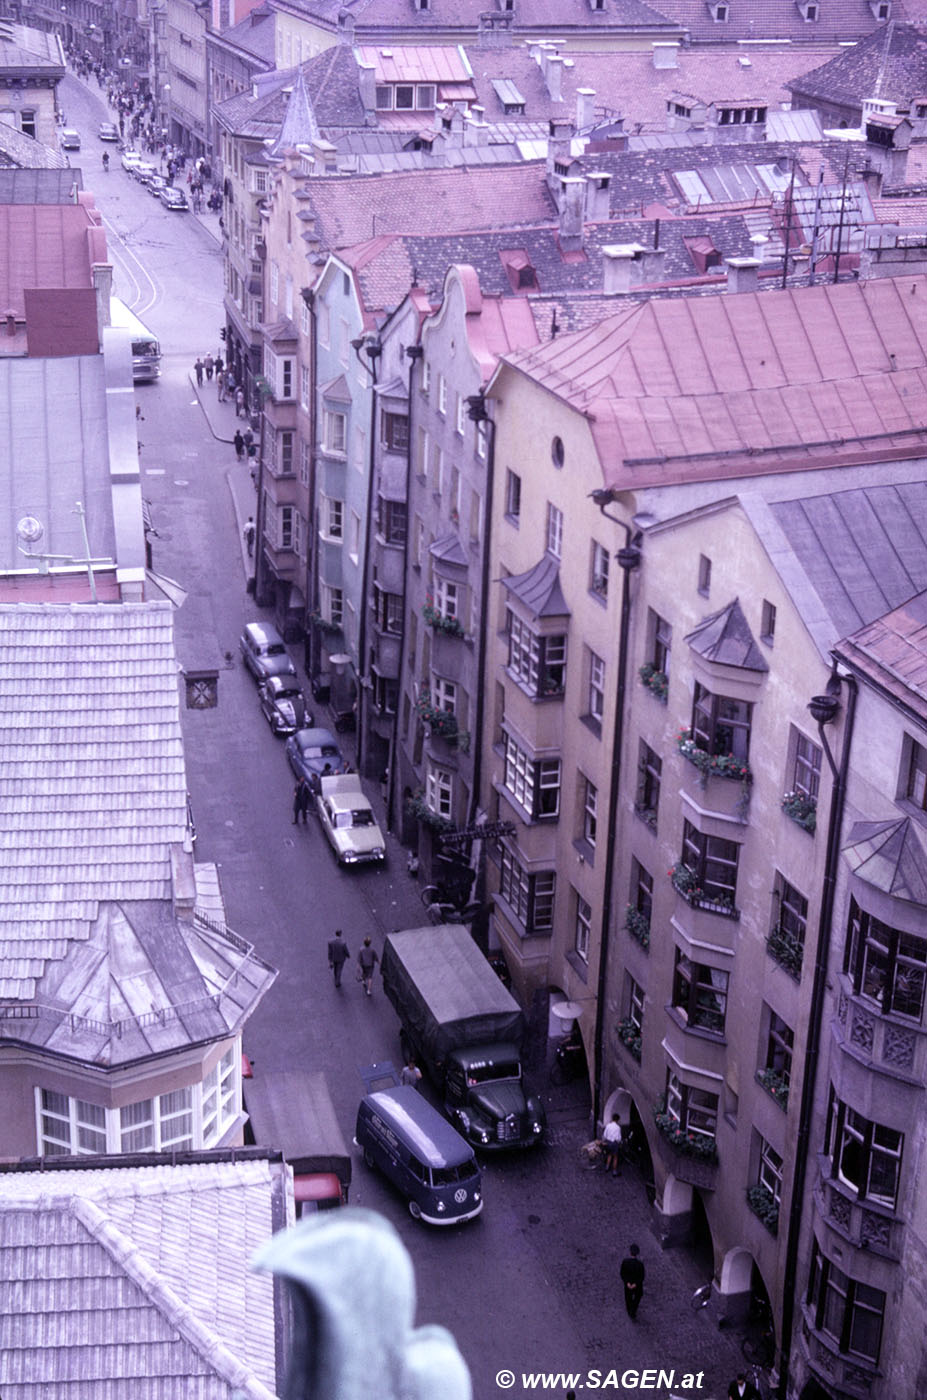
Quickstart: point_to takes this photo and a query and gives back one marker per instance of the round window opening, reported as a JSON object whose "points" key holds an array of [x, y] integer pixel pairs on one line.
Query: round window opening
{"points": [[557, 452]]}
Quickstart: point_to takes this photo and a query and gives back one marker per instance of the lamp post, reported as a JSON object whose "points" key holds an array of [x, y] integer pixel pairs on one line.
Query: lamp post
{"points": [[166, 91]]}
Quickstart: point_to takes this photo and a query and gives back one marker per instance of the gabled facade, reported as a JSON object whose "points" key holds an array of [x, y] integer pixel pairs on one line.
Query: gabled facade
{"points": [[31, 67]]}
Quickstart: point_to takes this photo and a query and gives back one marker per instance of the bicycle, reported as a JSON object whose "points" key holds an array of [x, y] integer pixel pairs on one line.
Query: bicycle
{"points": [[701, 1297], [759, 1350]]}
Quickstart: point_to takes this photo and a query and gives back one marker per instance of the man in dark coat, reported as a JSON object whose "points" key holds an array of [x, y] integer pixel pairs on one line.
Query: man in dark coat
{"points": [[632, 1276], [337, 955]]}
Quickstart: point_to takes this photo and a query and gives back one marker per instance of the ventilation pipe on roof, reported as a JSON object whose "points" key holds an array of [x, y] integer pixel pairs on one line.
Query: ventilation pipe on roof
{"points": [[598, 186], [476, 131], [652, 261], [664, 55], [742, 274], [572, 200], [585, 108], [10, 317]]}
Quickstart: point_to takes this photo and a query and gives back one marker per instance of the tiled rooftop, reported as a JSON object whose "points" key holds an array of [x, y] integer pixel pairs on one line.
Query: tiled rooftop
{"points": [[713, 387], [46, 245], [135, 1281], [890, 64], [544, 18], [26, 50], [838, 20], [92, 782]]}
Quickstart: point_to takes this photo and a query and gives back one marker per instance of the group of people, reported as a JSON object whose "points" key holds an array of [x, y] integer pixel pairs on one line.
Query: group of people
{"points": [[367, 959]]}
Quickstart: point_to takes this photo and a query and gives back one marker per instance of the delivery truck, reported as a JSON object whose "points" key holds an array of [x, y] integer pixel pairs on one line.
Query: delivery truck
{"points": [[292, 1111], [466, 1029]]}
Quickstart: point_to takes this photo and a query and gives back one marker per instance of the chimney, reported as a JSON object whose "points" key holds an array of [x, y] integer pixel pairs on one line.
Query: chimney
{"points": [[553, 75], [573, 190], [664, 55], [367, 86], [325, 155], [102, 274], [345, 28], [558, 144], [621, 267], [742, 274], [476, 131], [585, 108], [183, 883], [598, 192], [872, 179], [760, 242], [652, 261], [10, 319]]}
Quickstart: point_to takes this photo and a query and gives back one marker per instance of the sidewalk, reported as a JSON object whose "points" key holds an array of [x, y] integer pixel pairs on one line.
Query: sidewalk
{"points": [[221, 421]]}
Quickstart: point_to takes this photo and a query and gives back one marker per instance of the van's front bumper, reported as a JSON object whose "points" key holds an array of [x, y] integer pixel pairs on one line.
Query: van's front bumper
{"points": [[452, 1219]]}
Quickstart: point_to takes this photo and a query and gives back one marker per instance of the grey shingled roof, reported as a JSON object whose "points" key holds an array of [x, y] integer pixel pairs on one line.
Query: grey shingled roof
{"points": [[92, 781], [136, 1281], [725, 637], [864, 551], [539, 588], [890, 64], [890, 856], [47, 186]]}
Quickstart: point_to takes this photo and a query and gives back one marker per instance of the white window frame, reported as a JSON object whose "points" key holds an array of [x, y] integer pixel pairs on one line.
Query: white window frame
{"points": [[335, 432], [444, 694], [439, 791], [448, 597], [274, 281], [554, 530], [442, 395], [596, 698], [460, 414], [333, 519], [582, 934]]}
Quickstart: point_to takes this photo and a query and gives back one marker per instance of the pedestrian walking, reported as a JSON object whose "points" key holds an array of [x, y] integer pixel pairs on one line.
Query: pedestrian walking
{"points": [[611, 1145], [239, 444], [219, 366], [249, 533], [338, 955], [302, 796], [742, 1389], [410, 1073], [632, 1276], [230, 384], [239, 403], [208, 365], [198, 370], [366, 961]]}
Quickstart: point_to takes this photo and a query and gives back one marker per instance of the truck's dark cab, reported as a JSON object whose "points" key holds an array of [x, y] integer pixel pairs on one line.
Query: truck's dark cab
{"points": [[484, 1093]]}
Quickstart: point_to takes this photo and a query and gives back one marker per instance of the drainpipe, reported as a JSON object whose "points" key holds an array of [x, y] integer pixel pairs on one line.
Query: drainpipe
{"points": [[371, 345], [310, 641], [824, 710], [629, 559], [476, 412], [413, 354]]}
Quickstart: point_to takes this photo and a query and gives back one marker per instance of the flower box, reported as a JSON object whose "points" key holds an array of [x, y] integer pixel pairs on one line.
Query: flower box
{"points": [[712, 765], [802, 809], [630, 1037], [441, 622], [776, 1086], [788, 952], [657, 682], [765, 1206], [638, 925], [685, 882]]}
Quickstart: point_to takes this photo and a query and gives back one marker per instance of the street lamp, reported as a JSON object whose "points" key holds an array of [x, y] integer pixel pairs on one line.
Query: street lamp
{"points": [[166, 91]]}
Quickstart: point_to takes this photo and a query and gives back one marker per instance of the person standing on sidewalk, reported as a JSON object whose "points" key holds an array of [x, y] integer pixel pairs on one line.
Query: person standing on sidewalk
{"points": [[366, 961], [219, 366], [249, 533], [239, 444], [632, 1276], [198, 370], [338, 955], [208, 365], [302, 796]]}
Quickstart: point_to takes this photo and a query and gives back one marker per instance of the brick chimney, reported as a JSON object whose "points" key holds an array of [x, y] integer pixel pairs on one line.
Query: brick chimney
{"points": [[664, 55], [572, 199], [652, 263], [621, 267], [476, 131], [345, 28], [598, 193], [553, 76], [585, 108], [102, 274], [558, 144], [742, 274]]}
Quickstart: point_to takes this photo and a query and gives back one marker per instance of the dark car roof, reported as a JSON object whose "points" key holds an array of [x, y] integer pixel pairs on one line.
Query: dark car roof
{"points": [[431, 1137], [499, 1052], [315, 738], [285, 681]]}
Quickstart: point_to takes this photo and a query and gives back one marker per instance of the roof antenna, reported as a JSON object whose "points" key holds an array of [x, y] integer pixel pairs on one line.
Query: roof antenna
{"points": [[554, 327]]}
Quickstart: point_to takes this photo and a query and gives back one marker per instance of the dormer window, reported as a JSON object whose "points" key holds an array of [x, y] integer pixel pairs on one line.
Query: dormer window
{"points": [[720, 13], [809, 12], [422, 4], [881, 9], [597, 6]]}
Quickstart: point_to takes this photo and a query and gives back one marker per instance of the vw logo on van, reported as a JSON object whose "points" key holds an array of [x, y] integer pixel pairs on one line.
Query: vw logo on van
{"points": [[460, 1196]]}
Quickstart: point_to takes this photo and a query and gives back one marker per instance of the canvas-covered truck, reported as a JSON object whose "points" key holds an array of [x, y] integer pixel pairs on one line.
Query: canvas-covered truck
{"points": [[466, 1029], [292, 1111]]}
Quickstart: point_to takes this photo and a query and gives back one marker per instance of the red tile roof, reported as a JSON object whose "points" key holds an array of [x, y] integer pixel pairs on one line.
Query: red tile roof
{"points": [[724, 386], [46, 245], [414, 63], [364, 206]]}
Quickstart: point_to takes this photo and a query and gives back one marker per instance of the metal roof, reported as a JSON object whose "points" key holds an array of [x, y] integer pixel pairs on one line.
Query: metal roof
{"points": [[539, 588], [725, 637]]}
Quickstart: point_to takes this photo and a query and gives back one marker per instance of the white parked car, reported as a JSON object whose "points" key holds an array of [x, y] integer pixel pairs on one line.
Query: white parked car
{"points": [[348, 821], [130, 159]]}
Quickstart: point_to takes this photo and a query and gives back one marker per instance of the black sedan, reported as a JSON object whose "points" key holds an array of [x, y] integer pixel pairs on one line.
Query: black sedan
{"points": [[312, 752], [174, 199], [283, 704]]}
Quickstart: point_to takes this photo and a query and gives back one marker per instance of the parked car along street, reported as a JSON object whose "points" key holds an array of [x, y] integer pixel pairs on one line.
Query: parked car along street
{"points": [[264, 652], [311, 753], [283, 704], [108, 132], [348, 821], [174, 199]]}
